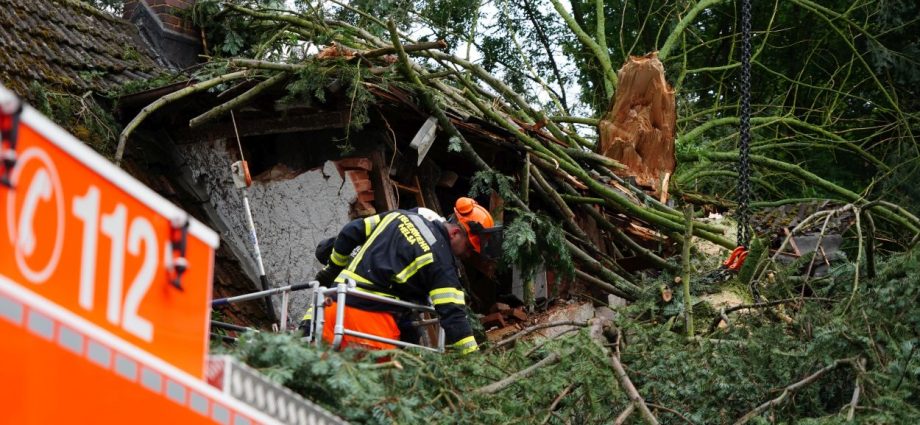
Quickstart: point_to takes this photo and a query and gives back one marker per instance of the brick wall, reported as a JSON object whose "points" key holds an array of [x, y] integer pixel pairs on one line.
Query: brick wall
{"points": [[357, 169], [169, 13]]}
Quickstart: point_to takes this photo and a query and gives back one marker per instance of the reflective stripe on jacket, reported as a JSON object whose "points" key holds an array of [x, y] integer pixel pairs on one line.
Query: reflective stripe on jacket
{"points": [[406, 257]]}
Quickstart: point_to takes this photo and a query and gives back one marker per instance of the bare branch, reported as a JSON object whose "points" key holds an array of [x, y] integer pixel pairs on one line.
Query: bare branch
{"points": [[165, 100], [631, 391], [529, 330], [517, 376], [552, 407], [238, 101]]}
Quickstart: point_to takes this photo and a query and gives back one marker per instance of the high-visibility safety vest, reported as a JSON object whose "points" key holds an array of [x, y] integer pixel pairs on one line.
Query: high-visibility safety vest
{"points": [[407, 257]]}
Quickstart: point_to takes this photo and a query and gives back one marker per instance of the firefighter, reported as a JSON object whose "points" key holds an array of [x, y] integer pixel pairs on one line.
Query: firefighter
{"points": [[406, 256]]}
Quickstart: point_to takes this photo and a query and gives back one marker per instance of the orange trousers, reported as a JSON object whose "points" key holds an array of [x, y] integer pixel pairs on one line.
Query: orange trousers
{"points": [[375, 323]]}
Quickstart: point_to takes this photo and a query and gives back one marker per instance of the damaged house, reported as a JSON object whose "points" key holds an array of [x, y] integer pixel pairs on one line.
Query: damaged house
{"points": [[764, 281], [314, 168], [317, 155], [325, 142]]}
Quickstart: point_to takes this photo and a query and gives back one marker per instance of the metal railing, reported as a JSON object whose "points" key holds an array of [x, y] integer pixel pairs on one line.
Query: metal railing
{"points": [[285, 292], [349, 288], [318, 301]]}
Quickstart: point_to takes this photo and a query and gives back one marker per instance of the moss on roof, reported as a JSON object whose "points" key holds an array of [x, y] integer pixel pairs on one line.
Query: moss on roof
{"points": [[68, 45]]}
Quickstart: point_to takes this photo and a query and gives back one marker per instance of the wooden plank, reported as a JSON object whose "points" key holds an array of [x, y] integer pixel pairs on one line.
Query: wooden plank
{"points": [[380, 176], [264, 126]]}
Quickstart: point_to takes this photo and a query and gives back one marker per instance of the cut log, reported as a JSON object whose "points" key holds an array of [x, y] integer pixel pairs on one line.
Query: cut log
{"points": [[638, 129]]}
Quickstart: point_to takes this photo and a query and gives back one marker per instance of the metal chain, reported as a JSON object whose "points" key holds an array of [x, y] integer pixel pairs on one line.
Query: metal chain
{"points": [[743, 212]]}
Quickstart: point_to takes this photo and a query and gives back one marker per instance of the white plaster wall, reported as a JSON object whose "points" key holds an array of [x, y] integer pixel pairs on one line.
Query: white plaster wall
{"points": [[291, 216]]}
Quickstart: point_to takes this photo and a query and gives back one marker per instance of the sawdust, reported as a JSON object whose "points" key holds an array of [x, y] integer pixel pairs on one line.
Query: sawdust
{"points": [[725, 298]]}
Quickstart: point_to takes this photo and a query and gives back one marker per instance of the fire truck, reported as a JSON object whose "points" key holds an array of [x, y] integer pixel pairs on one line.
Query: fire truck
{"points": [[105, 295]]}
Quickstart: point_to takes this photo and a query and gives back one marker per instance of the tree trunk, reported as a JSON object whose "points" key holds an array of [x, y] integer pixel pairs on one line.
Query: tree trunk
{"points": [[638, 129]]}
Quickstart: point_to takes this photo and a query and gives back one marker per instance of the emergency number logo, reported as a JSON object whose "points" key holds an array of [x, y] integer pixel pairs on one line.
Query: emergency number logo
{"points": [[35, 215]]}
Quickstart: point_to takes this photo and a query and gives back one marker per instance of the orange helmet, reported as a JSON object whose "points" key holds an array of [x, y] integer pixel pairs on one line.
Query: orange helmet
{"points": [[467, 211]]}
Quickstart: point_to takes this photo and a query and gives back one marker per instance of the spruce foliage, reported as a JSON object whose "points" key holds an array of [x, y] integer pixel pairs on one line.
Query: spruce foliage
{"points": [[710, 379]]}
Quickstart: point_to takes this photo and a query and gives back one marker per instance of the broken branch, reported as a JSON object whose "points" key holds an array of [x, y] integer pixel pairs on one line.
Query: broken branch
{"points": [[672, 411], [631, 391], [534, 328], [793, 388], [240, 100], [428, 45], [685, 270], [552, 407], [624, 415], [165, 100], [517, 376]]}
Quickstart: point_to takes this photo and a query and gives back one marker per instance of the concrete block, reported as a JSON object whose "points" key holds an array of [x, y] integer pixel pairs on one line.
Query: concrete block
{"points": [[575, 311], [614, 301], [605, 313]]}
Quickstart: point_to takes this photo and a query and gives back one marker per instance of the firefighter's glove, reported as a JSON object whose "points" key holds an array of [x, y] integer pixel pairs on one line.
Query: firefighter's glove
{"points": [[328, 274]]}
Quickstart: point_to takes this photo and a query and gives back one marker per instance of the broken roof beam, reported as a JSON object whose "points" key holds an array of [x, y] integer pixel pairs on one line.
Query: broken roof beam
{"points": [[266, 126]]}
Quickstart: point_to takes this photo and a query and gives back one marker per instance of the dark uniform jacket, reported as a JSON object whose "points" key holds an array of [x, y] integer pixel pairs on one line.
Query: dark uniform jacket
{"points": [[407, 257]]}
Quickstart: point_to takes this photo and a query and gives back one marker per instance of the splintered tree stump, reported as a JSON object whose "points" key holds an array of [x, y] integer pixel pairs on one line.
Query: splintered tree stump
{"points": [[638, 129]]}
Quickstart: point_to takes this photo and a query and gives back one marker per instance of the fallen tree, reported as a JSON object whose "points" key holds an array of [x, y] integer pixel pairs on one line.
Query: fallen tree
{"points": [[797, 346], [637, 135]]}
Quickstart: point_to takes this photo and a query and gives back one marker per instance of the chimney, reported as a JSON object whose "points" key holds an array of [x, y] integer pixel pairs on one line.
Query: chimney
{"points": [[163, 26]]}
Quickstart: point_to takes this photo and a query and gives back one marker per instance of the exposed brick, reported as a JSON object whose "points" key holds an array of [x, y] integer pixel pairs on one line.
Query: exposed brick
{"points": [[356, 174], [171, 20], [366, 196], [500, 307], [129, 8], [356, 164], [364, 209], [362, 185], [359, 179], [519, 314], [494, 319]]}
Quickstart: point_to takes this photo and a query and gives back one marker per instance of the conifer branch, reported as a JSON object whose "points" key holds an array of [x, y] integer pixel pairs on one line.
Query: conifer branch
{"points": [[793, 388]]}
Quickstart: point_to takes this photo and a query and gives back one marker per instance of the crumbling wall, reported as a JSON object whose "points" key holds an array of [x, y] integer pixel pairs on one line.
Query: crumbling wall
{"points": [[291, 214]]}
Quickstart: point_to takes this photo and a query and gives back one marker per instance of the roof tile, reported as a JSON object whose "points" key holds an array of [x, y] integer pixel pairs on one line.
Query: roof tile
{"points": [[69, 45]]}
